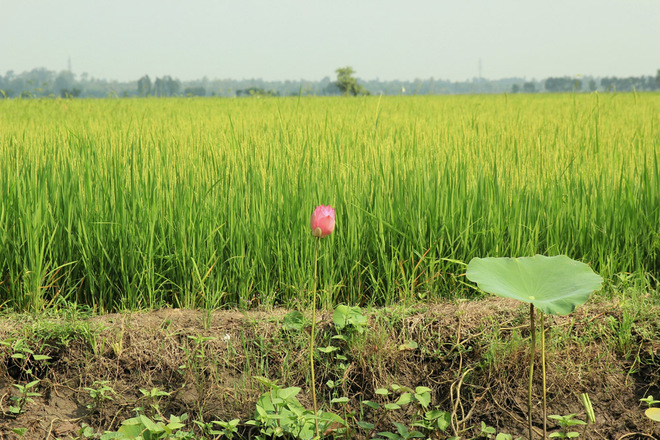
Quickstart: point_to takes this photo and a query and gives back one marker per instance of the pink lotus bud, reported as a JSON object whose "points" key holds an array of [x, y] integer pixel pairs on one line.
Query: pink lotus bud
{"points": [[323, 221]]}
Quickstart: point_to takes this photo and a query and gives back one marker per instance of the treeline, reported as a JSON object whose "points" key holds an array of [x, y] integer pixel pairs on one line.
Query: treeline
{"points": [[607, 84], [41, 82]]}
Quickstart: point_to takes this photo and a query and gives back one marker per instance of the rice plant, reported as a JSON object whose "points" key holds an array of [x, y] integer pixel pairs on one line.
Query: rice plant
{"points": [[135, 203]]}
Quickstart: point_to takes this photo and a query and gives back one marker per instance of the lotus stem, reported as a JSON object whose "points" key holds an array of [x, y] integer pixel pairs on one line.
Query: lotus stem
{"points": [[312, 336], [532, 354], [545, 409]]}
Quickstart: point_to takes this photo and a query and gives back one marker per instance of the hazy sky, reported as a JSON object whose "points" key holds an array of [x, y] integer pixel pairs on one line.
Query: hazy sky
{"points": [[294, 39]]}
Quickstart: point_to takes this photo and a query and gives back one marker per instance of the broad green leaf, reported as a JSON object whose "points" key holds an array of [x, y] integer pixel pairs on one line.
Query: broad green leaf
{"points": [[328, 418], [410, 345], [555, 285], [266, 382], [653, 414], [402, 429], [345, 316], [33, 383], [424, 398], [287, 393], [401, 388], [366, 425], [404, 399], [293, 321], [130, 430], [151, 426]]}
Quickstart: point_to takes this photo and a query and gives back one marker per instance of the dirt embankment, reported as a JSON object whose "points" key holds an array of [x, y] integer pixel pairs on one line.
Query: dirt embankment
{"points": [[473, 355]]}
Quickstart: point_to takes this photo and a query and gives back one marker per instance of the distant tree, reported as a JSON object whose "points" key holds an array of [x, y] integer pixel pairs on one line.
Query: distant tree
{"points": [[256, 91], [529, 87], [347, 83], [144, 86], [627, 84], [657, 79], [515, 88], [331, 89], [166, 86], [608, 84], [64, 82], [159, 87], [194, 91], [172, 85], [564, 84], [70, 93]]}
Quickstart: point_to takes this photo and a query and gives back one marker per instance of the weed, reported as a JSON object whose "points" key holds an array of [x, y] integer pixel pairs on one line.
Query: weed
{"points": [[99, 393], [151, 401], [24, 397], [565, 422]]}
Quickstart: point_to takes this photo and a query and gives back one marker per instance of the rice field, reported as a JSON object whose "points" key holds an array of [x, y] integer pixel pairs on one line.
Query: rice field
{"points": [[138, 203]]}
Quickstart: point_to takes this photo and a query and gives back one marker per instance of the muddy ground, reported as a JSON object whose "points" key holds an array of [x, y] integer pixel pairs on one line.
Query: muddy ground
{"points": [[473, 355]]}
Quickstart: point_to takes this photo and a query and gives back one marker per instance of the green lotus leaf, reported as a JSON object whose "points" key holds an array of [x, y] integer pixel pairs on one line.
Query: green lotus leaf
{"points": [[555, 285], [653, 414]]}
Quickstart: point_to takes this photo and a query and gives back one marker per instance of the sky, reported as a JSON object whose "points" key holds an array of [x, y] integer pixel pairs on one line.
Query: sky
{"points": [[294, 39]]}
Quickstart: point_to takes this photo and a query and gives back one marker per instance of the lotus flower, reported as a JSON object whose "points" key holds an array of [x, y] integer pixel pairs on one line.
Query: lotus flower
{"points": [[323, 221]]}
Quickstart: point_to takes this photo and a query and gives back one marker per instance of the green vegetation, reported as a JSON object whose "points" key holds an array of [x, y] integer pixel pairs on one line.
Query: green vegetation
{"points": [[205, 203]]}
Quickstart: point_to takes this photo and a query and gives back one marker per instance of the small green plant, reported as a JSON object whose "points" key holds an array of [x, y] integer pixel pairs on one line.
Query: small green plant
{"points": [[490, 432], [652, 413], [99, 394], [24, 397], [151, 399], [487, 431], [20, 432], [349, 319], [434, 420], [402, 433], [293, 321], [649, 401], [565, 422], [430, 420], [23, 355], [86, 431], [229, 429], [144, 428], [279, 413]]}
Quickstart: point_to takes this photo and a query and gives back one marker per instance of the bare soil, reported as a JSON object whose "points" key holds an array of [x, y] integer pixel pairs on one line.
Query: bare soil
{"points": [[472, 354]]}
